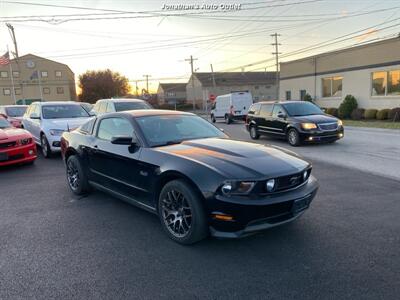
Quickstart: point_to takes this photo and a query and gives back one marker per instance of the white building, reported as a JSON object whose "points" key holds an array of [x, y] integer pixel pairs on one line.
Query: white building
{"points": [[371, 73]]}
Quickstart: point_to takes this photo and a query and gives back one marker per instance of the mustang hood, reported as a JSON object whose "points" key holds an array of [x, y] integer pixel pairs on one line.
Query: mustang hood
{"points": [[65, 124], [12, 134], [238, 160]]}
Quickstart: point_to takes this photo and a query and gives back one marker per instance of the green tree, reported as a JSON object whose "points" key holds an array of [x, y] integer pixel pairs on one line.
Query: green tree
{"points": [[347, 106], [307, 98], [102, 84]]}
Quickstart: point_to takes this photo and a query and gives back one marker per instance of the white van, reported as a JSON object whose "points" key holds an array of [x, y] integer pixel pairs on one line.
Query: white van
{"points": [[233, 106]]}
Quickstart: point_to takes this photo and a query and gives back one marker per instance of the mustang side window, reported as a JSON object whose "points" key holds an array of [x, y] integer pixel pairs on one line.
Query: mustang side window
{"points": [[111, 127]]}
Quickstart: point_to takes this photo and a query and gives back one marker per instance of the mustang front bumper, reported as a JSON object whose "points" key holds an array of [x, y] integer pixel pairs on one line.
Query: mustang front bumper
{"points": [[250, 215]]}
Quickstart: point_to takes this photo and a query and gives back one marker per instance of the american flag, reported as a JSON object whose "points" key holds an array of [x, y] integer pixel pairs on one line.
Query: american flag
{"points": [[5, 59]]}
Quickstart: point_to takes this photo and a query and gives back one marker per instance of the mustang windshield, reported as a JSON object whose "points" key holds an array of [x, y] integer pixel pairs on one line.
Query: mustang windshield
{"points": [[15, 111], [302, 109], [173, 129], [63, 111]]}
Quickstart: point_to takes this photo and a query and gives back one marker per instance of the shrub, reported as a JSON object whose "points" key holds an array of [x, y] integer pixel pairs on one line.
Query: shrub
{"points": [[357, 114], [383, 114], [347, 106], [332, 111], [394, 114], [308, 98], [370, 114]]}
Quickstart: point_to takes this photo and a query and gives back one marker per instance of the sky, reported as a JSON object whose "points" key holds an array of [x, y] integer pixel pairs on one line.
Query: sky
{"points": [[156, 38]]}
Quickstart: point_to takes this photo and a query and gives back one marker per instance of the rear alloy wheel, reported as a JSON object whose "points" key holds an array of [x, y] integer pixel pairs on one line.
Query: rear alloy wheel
{"points": [[253, 133], [44, 145], [293, 137], [213, 119], [76, 177], [181, 213], [228, 119]]}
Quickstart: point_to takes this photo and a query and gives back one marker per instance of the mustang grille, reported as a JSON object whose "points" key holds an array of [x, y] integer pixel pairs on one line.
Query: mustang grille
{"points": [[7, 145], [328, 126]]}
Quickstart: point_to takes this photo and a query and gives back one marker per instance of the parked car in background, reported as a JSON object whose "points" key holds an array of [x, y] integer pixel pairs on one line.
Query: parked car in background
{"points": [[87, 106], [115, 105], [16, 145], [230, 107], [46, 121], [182, 168], [14, 113], [297, 121]]}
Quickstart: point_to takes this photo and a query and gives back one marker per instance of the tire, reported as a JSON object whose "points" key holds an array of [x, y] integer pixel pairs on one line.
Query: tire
{"points": [[227, 119], [76, 176], [213, 119], [253, 133], [181, 213], [293, 137], [44, 145]]}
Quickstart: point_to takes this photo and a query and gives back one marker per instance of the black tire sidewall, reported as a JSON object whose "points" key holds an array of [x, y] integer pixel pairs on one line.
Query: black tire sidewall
{"points": [[297, 139], [256, 136], [83, 182], [213, 119], [199, 227], [227, 119], [47, 145]]}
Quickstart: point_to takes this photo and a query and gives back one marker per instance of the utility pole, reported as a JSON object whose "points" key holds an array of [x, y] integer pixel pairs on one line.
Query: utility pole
{"points": [[213, 77], [276, 53], [147, 82], [14, 39], [191, 59]]}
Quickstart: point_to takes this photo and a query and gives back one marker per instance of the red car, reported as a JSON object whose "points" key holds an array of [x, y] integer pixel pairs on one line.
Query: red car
{"points": [[16, 145], [13, 113]]}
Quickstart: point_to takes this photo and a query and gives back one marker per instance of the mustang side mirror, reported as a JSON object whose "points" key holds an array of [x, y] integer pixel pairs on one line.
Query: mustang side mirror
{"points": [[281, 115], [122, 140], [34, 116]]}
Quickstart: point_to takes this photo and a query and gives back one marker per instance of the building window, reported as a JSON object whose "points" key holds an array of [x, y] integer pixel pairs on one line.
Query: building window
{"points": [[256, 87], [44, 74], [302, 94], [60, 90], [58, 74], [267, 86], [386, 83], [288, 95], [15, 74], [46, 91], [17, 91], [3, 74], [6, 92], [332, 87]]}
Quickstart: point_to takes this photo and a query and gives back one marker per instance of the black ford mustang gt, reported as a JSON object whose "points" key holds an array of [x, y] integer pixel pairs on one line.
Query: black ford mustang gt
{"points": [[189, 173]]}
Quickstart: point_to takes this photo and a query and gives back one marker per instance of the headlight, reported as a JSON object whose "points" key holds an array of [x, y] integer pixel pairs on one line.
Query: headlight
{"points": [[340, 123], [237, 187], [56, 132], [270, 185], [308, 126], [25, 141]]}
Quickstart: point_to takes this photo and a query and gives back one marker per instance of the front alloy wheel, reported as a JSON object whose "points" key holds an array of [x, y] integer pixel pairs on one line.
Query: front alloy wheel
{"points": [[44, 145], [181, 212], [253, 133], [293, 137]]}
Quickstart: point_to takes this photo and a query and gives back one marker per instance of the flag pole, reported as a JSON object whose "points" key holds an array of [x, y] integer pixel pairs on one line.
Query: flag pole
{"points": [[12, 79]]}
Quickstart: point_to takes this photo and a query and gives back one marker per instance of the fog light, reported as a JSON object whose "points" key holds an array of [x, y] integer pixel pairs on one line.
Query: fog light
{"points": [[340, 134], [30, 152], [227, 188], [310, 138], [270, 185]]}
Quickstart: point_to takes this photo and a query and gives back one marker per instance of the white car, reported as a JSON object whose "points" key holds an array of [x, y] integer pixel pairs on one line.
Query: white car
{"points": [[47, 121], [114, 105]]}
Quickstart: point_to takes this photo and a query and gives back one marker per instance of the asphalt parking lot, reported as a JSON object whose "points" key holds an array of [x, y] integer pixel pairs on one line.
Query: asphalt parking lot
{"points": [[56, 245]]}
